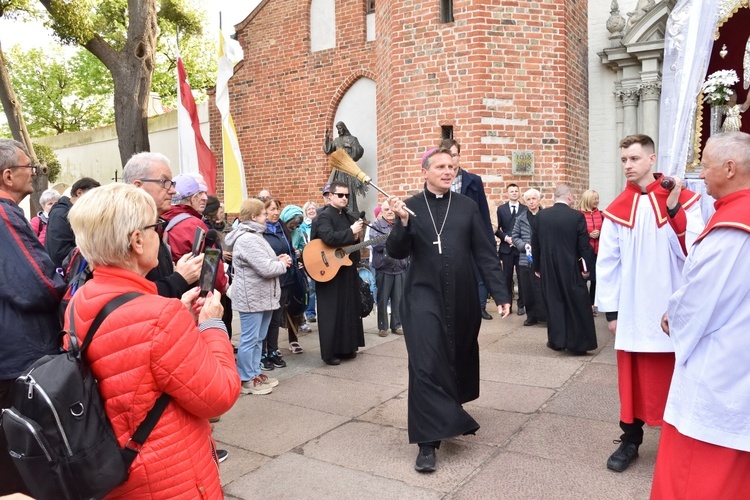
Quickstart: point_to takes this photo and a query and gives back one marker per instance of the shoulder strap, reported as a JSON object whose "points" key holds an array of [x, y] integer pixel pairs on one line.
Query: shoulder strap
{"points": [[176, 220], [106, 311], [135, 443]]}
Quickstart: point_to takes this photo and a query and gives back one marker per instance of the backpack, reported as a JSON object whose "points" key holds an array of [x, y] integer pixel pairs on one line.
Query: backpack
{"points": [[59, 437], [172, 223], [76, 272], [298, 295], [365, 283]]}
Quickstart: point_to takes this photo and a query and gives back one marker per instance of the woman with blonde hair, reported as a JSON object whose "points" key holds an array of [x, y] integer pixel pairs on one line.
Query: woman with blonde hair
{"points": [[255, 292], [149, 346], [594, 219]]}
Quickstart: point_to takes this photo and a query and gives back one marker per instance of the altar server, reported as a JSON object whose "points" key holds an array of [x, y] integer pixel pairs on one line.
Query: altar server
{"points": [[704, 450]]}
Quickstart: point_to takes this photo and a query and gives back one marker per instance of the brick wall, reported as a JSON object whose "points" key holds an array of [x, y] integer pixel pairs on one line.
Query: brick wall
{"points": [[507, 76]]}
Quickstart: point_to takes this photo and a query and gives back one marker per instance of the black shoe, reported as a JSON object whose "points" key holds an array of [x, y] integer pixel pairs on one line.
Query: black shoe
{"points": [[425, 459], [221, 455], [549, 344], [485, 314], [622, 457], [332, 361], [275, 358], [349, 355], [266, 364], [521, 311], [578, 353], [530, 322]]}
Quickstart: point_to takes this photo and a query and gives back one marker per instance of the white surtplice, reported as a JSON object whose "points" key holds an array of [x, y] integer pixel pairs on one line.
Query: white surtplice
{"points": [[637, 270], [709, 398]]}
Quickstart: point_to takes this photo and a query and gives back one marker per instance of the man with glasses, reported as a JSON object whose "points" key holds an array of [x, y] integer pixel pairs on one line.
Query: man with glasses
{"points": [[60, 240], [30, 294], [339, 324], [151, 172]]}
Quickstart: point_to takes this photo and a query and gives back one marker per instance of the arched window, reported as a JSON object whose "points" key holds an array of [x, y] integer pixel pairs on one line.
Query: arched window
{"points": [[322, 25]]}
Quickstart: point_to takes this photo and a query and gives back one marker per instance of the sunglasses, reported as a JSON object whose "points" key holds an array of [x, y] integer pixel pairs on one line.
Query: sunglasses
{"points": [[341, 195]]}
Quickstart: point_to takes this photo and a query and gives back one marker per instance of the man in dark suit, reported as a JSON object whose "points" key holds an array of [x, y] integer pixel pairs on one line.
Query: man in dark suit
{"points": [[508, 254], [471, 185], [560, 246]]}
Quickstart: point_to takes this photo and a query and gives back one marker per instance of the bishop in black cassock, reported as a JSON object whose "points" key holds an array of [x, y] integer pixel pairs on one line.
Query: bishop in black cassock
{"points": [[560, 243], [440, 312]]}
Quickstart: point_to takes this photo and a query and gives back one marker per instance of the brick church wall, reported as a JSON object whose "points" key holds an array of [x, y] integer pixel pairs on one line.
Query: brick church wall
{"points": [[506, 76]]}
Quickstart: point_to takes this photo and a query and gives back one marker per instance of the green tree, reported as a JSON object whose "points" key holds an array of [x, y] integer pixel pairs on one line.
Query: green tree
{"points": [[18, 9], [122, 35], [60, 94], [47, 155]]}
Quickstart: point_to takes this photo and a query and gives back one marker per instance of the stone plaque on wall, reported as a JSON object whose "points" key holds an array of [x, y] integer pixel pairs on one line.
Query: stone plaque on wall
{"points": [[523, 163]]}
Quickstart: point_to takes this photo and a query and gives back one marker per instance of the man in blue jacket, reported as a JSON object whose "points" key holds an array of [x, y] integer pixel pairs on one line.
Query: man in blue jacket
{"points": [[471, 185], [30, 294]]}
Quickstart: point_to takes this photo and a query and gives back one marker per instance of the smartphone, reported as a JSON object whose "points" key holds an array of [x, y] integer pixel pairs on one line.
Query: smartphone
{"points": [[198, 239], [211, 261]]}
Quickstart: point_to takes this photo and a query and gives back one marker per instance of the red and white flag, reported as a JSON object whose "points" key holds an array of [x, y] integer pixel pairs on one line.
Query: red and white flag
{"points": [[195, 155]]}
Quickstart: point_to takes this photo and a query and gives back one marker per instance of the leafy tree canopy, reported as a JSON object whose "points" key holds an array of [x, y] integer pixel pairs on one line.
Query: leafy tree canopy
{"points": [[60, 94]]}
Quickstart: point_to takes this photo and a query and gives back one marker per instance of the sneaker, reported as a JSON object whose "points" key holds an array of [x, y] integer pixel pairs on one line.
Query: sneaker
{"points": [[275, 358], [269, 381], [222, 455], [382, 333], [397, 331], [256, 386], [305, 328], [312, 319], [213, 420], [426, 459], [623, 456], [266, 364]]}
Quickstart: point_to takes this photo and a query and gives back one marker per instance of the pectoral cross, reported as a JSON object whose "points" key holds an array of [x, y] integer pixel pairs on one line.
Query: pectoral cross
{"points": [[439, 245]]}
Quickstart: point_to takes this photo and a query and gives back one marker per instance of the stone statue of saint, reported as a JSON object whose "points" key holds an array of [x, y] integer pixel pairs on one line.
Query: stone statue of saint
{"points": [[350, 144], [733, 112]]}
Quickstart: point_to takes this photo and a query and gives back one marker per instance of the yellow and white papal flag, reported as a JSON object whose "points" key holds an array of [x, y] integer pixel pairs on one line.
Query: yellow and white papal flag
{"points": [[235, 187]]}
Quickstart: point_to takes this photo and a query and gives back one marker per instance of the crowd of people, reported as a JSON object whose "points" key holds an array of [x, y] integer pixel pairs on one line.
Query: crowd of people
{"points": [[648, 262]]}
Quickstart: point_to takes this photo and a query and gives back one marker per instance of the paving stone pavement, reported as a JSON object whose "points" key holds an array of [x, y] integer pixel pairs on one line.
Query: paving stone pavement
{"points": [[547, 424]]}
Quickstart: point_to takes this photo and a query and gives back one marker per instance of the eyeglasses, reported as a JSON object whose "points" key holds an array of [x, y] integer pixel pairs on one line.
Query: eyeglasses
{"points": [[34, 168], [341, 195], [159, 226], [165, 183]]}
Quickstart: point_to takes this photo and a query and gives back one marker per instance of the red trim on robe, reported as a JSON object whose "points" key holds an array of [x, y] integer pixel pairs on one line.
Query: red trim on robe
{"points": [[643, 379], [688, 468], [622, 210], [732, 210]]}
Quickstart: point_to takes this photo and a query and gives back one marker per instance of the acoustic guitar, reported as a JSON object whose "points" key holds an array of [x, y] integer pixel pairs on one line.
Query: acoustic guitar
{"points": [[323, 262]]}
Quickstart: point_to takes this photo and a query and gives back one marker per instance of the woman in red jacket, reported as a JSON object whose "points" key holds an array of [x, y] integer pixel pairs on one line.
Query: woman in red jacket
{"points": [[594, 219], [149, 346]]}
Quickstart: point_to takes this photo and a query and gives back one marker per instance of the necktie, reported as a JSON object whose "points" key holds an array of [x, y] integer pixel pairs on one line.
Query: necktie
{"points": [[513, 211]]}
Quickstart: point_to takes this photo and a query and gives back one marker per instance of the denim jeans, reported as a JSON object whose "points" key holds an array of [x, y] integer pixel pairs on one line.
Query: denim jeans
{"points": [[254, 327], [310, 312]]}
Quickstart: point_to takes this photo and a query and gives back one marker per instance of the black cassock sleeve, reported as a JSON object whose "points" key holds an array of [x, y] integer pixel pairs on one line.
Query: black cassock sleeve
{"points": [[398, 244], [485, 257]]}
